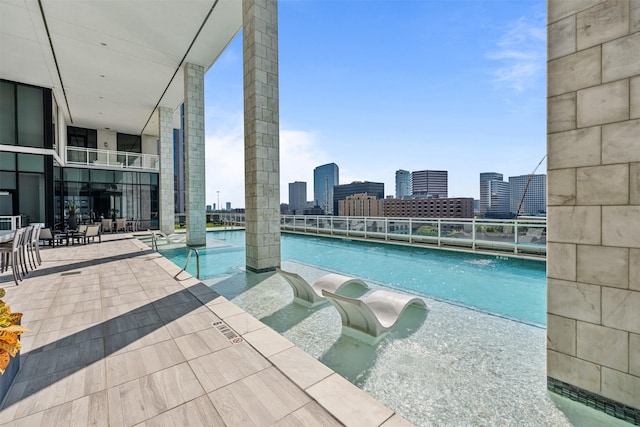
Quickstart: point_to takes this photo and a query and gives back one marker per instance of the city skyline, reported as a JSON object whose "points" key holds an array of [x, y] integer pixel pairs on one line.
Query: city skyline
{"points": [[390, 87]]}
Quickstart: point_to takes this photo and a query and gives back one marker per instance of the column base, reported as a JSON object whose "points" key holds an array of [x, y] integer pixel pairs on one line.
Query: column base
{"points": [[261, 270], [608, 406]]}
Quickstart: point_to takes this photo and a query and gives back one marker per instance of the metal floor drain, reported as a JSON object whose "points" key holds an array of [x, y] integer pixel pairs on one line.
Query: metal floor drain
{"points": [[225, 330], [70, 273]]}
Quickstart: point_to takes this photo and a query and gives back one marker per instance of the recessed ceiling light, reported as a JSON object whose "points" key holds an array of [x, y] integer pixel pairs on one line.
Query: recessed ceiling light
{"points": [[107, 128], [103, 44], [102, 75], [101, 97]]}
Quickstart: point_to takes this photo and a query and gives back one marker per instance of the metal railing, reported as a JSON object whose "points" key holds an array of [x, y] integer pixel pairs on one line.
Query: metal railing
{"points": [[8, 222], [112, 159], [186, 263], [527, 235]]}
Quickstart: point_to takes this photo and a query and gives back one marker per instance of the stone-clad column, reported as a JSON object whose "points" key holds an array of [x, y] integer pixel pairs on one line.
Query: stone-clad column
{"points": [[593, 182], [167, 200], [261, 134], [194, 153]]}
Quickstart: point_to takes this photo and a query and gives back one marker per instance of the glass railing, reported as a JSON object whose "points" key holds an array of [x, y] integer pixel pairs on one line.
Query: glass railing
{"points": [[107, 158], [527, 236]]}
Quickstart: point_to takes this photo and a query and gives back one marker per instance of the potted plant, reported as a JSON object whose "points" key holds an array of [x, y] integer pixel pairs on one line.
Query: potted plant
{"points": [[10, 330], [73, 216]]}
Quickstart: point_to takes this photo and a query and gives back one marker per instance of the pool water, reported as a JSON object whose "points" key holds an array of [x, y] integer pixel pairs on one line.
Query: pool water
{"points": [[446, 365], [509, 287]]}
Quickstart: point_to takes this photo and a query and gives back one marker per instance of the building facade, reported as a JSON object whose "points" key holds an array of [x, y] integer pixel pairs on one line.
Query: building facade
{"points": [[494, 195], [430, 183], [325, 177], [528, 194], [455, 207], [297, 197], [360, 205], [403, 183], [340, 192]]}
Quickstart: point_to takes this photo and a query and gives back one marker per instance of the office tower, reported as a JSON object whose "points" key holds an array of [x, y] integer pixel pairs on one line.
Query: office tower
{"points": [[403, 183], [494, 195], [534, 201], [228, 206], [430, 183], [297, 197], [340, 192], [325, 177]]}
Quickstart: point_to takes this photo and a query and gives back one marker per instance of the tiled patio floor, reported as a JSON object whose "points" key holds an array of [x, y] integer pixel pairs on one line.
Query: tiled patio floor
{"points": [[117, 341]]}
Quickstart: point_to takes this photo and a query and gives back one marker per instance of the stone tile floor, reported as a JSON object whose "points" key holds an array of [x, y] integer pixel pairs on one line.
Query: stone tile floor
{"points": [[117, 341]]}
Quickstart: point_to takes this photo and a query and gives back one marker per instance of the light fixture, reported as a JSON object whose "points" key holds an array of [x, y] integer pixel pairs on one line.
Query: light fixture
{"points": [[106, 144], [103, 44]]}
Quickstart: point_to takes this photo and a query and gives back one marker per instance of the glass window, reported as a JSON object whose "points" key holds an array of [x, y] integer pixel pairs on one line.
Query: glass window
{"points": [[130, 143], [81, 137], [79, 175], [154, 178], [7, 114], [31, 163], [144, 178], [31, 197], [102, 176], [30, 116], [8, 180], [7, 161]]}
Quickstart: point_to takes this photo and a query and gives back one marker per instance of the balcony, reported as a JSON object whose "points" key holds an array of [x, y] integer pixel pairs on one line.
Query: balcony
{"points": [[91, 157]]}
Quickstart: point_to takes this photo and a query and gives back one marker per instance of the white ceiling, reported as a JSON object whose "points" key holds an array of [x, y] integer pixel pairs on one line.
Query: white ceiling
{"points": [[117, 59]]}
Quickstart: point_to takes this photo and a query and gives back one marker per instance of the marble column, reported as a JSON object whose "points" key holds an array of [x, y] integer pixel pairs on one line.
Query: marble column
{"points": [[593, 182], [167, 202], [194, 153], [261, 134]]}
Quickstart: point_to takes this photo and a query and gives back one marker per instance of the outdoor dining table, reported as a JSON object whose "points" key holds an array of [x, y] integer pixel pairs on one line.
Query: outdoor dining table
{"points": [[6, 235]]}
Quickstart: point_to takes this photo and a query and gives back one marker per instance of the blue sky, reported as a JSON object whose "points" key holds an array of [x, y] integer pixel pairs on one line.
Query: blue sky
{"points": [[381, 85]]}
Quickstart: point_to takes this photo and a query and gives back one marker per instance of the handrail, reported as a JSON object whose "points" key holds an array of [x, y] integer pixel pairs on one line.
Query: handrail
{"points": [[110, 158], [186, 264]]}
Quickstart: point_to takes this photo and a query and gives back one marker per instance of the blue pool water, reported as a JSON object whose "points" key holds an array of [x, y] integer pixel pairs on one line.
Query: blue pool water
{"points": [[514, 288]]}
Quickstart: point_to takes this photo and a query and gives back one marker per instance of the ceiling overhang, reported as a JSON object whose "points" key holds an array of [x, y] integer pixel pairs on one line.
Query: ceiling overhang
{"points": [[110, 63]]}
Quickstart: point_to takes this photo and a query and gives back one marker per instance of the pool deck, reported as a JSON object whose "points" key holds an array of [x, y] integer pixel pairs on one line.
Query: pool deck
{"points": [[117, 341]]}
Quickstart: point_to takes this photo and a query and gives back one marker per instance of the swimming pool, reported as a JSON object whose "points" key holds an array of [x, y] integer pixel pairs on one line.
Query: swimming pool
{"points": [[509, 287], [447, 365]]}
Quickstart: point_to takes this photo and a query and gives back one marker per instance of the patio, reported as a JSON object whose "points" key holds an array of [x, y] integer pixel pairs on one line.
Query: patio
{"points": [[116, 340]]}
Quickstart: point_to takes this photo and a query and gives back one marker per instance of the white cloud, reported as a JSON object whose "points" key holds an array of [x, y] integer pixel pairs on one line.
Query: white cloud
{"points": [[522, 55], [299, 155]]}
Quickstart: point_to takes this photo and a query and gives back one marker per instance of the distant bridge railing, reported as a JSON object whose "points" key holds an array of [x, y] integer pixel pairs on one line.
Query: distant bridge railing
{"points": [[520, 236]]}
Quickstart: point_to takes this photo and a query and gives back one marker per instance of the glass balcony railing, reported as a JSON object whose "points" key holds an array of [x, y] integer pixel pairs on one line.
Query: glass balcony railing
{"points": [[520, 236], [112, 159]]}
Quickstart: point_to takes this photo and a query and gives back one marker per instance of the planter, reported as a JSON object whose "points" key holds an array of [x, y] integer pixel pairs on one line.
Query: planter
{"points": [[9, 376]]}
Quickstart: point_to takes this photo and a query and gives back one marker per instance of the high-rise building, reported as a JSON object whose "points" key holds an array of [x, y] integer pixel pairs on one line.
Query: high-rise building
{"points": [[325, 177], [430, 183], [403, 183], [360, 205], [340, 192], [534, 189], [494, 195], [297, 197]]}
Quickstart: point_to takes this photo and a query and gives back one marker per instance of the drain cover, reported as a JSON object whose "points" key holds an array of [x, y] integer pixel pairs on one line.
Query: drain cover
{"points": [[70, 273]]}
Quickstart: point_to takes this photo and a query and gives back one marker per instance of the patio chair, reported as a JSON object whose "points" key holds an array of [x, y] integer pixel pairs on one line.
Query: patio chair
{"points": [[33, 246], [10, 254], [121, 224], [375, 314], [107, 225], [311, 295], [92, 232]]}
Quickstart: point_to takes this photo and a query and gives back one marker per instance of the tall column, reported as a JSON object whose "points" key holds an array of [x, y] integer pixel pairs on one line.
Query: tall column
{"points": [[167, 199], [593, 261], [194, 153], [261, 134]]}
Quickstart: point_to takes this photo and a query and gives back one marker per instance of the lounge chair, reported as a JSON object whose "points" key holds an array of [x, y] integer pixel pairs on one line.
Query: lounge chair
{"points": [[375, 314], [158, 237], [311, 295]]}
